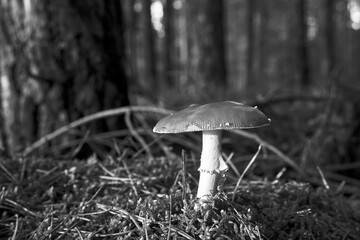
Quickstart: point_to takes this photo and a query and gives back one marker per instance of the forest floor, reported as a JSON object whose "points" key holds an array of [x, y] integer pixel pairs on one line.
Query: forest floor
{"points": [[143, 187]]}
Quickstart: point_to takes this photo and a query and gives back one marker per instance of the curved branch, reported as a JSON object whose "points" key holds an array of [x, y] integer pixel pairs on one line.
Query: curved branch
{"points": [[272, 148], [90, 118]]}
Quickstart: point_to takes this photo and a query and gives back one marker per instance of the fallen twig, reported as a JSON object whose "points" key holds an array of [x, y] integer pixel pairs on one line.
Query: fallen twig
{"points": [[272, 148], [89, 118]]}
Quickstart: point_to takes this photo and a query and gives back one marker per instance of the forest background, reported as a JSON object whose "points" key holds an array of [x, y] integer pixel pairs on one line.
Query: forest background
{"points": [[296, 59], [82, 83]]}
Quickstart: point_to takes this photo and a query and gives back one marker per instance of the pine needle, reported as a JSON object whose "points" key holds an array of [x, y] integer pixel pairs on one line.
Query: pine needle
{"points": [[183, 172], [243, 173], [326, 185]]}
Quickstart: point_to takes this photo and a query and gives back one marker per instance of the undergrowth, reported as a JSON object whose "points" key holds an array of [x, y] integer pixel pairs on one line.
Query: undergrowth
{"points": [[115, 198]]}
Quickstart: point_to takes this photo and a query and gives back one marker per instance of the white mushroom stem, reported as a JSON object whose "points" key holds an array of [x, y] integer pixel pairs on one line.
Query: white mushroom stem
{"points": [[212, 165]]}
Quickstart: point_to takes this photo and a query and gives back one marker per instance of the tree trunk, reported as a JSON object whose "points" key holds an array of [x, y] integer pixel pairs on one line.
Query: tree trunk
{"points": [[303, 48], [12, 76], [149, 49], [237, 44], [329, 36], [143, 48], [260, 45], [250, 39], [170, 45], [73, 66], [206, 65]]}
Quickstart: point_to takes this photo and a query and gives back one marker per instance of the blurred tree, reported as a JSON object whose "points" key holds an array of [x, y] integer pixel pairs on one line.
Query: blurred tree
{"points": [[329, 28], [171, 57], [346, 58], [141, 50], [130, 20], [206, 64], [261, 42], [60, 60], [149, 41], [303, 44], [175, 52], [250, 38], [239, 44], [145, 46]]}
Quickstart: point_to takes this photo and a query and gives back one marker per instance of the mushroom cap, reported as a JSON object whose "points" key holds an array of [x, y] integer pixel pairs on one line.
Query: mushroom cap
{"points": [[212, 116]]}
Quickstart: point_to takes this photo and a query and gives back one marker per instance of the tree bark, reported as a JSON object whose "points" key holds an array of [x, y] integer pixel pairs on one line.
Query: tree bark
{"points": [[68, 63], [11, 63]]}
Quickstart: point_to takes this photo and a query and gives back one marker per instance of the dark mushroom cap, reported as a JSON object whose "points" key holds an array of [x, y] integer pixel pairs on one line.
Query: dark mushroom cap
{"points": [[212, 116]]}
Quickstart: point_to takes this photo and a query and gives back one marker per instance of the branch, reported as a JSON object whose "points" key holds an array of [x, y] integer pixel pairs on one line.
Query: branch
{"points": [[272, 148], [90, 118]]}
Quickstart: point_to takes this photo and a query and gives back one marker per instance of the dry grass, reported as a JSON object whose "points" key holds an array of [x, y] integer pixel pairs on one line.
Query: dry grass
{"points": [[108, 199]]}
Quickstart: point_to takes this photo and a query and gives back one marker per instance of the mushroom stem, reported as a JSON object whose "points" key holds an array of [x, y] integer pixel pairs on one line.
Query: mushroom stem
{"points": [[212, 165]]}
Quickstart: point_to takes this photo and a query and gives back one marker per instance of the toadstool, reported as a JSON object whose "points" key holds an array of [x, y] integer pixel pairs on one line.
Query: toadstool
{"points": [[211, 119]]}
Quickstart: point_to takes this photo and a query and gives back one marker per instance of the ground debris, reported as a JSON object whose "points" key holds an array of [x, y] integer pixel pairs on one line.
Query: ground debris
{"points": [[103, 199]]}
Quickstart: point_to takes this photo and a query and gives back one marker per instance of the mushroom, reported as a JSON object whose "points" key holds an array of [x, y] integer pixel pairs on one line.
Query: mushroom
{"points": [[211, 119]]}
